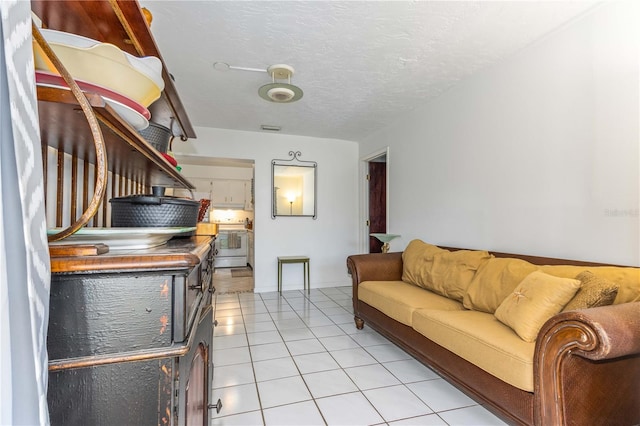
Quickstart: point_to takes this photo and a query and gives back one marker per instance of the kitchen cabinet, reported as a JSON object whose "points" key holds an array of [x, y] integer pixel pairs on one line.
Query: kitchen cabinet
{"points": [[229, 193], [223, 193]]}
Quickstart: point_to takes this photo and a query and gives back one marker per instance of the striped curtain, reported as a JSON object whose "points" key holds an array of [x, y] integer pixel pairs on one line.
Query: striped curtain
{"points": [[24, 257]]}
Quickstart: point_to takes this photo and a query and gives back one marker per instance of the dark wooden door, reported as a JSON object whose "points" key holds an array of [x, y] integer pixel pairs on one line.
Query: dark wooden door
{"points": [[377, 203]]}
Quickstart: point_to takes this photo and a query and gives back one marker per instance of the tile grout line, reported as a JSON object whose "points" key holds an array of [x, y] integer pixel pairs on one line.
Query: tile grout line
{"points": [[297, 368], [298, 311], [314, 399], [246, 336]]}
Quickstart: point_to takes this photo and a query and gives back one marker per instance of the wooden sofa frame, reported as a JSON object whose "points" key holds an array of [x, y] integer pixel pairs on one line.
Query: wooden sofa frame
{"points": [[586, 363]]}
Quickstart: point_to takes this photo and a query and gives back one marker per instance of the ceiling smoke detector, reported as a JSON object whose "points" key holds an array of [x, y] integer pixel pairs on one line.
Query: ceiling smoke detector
{"points": [[280, 92]]}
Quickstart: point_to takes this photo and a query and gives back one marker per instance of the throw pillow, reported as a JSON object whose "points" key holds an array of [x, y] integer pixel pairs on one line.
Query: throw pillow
{"points": [[417, 256], [594, 291], [627, 278], [494, 281], [536, 299], [451, 272]]}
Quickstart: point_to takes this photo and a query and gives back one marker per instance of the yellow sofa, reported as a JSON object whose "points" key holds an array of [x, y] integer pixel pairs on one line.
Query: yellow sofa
{"points": [[536, 340]]}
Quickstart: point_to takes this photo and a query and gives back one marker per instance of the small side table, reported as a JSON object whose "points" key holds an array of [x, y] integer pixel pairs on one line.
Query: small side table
{"points": [[294, 259]]}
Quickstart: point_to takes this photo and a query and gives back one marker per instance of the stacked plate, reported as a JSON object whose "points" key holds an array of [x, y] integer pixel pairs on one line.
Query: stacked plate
{"points": [[122, 238], [129, 110], [117, 75]]}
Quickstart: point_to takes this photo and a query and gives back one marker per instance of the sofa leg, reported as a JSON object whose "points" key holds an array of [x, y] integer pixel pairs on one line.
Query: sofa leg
{"points": [[359, 323]]}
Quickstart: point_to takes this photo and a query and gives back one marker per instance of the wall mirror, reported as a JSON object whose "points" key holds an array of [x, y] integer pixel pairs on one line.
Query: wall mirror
{"points": [[293, 183]]}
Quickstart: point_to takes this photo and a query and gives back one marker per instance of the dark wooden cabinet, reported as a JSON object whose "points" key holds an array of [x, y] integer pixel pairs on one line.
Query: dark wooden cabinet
{"points": [[130, 344]]}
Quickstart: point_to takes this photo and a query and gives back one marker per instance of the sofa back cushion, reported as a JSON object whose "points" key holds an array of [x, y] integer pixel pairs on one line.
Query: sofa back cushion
{"points": [[447, 273], [417, 257], [626, 278], [451, 272], [494, 281]]}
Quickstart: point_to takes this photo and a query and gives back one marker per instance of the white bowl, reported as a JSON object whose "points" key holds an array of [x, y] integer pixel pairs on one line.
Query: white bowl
{"points": [[104, 64]]}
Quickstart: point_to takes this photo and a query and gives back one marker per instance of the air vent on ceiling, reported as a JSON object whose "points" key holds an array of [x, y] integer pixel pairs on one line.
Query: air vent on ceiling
{"points": [[270, 128]]}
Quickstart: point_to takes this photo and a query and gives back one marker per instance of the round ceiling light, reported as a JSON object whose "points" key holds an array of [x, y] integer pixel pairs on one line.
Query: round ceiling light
{"points": [[280, 92]]}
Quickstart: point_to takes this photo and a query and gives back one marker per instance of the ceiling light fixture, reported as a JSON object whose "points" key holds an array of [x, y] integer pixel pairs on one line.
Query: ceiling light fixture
{"points": [[280, 92], [223, 66]]}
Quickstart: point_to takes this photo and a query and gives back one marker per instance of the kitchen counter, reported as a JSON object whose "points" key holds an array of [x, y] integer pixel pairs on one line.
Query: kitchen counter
{"points": [[178, 253]]}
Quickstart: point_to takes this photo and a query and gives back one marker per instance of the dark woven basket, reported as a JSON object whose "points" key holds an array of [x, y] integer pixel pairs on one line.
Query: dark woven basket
{"points": [[158, 136], [150, 211]]}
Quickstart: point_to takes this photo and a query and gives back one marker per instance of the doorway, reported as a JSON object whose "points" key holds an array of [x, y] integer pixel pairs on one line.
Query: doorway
{"points": [[229, 185], [375, 194]]}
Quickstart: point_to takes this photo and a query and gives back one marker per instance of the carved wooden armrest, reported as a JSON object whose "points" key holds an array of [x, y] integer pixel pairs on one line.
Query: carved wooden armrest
{"points": [[375, 267], [596, 334]]}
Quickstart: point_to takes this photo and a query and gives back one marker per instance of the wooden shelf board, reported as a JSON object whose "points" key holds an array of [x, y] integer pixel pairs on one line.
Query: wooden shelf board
{"points": [[64, 127]]}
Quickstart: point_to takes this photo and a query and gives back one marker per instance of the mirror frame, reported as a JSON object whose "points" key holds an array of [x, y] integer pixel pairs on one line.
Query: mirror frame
{"points": [[294, 161]]}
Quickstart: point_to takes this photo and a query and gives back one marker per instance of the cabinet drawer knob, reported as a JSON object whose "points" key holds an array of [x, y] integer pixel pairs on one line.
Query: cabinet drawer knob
{"points": [[217, 406], [196, 287]]}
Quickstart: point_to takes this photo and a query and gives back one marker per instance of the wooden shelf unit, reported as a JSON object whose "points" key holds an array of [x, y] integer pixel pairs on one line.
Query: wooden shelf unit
{"points": [[134, 165], [121, 23], [159, 297]]}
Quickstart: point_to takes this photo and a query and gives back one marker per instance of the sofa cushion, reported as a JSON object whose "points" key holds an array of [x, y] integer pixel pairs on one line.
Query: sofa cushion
{"points": [[481, 339], [536, 299], [451, 272], [594, 291], [398, 299], [417, 257], [495, 279], [627, 278], [448, 273]]}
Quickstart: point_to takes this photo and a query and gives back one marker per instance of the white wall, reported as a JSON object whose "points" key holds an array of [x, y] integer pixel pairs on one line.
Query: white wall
{"points": [[537, 155], [329, 239]]}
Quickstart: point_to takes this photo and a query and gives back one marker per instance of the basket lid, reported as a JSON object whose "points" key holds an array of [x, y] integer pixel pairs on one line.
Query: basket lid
{"points": [[152, 199]]}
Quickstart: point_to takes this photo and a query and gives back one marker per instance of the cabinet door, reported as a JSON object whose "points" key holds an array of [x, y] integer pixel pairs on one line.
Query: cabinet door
{"points": [[219, 189], [236, 192], [228, 193], [124, 393]]}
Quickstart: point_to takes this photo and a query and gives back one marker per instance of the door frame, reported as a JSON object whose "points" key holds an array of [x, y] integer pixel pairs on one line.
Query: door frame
{"points": [[363, 240]]}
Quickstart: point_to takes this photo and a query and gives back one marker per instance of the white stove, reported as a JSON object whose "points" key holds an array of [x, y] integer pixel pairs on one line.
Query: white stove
{"points": [[231, 245]]}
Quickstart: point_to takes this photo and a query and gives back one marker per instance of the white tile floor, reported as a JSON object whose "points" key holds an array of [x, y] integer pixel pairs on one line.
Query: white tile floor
{"points": [[297, 359]]}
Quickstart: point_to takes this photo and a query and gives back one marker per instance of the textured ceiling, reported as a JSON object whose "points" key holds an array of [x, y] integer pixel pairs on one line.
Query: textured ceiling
{"points": [[361, 65]]}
